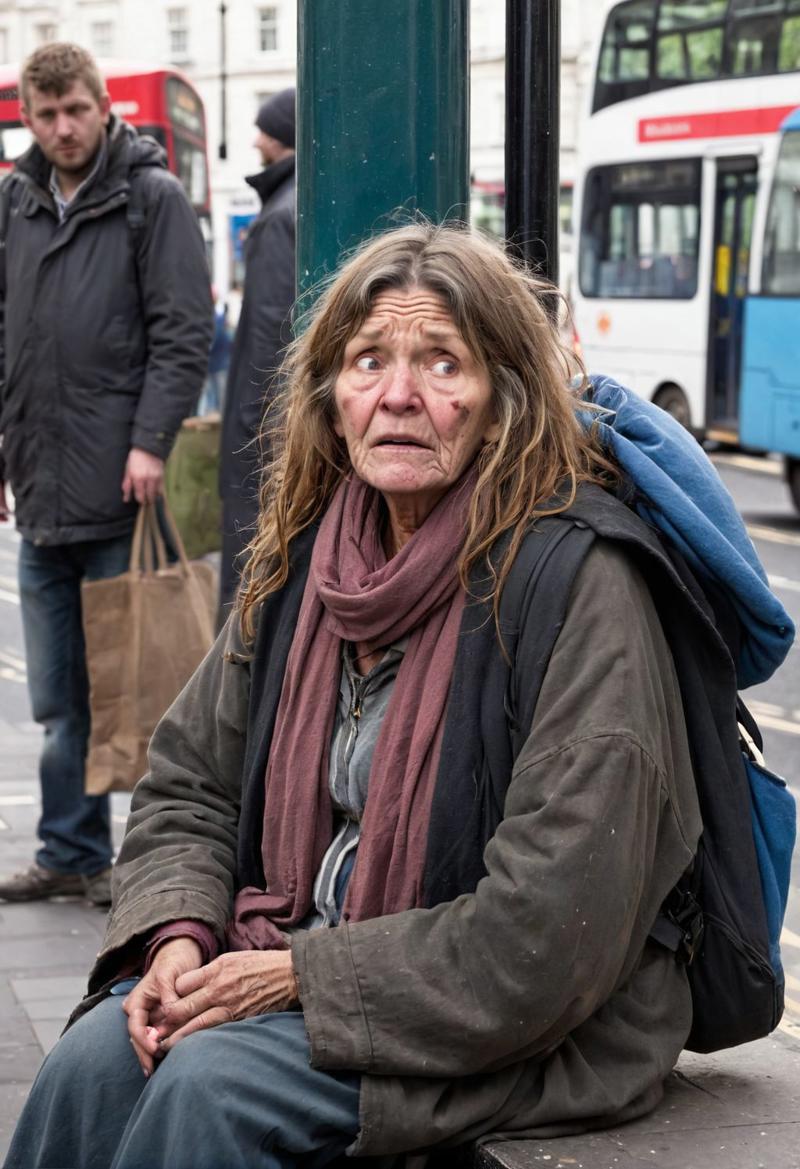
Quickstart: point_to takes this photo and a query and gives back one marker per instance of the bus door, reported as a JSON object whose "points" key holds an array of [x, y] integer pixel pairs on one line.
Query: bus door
{"points": [[733, 225]]}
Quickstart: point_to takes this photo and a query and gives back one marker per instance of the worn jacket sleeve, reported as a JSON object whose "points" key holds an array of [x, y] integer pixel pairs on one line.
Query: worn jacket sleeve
{"points": [[270, 295], [175, 288], [590, 843], [178, 857]]}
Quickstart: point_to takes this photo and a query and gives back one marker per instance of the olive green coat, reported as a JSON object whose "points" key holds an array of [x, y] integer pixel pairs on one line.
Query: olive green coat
{"points": [[534, 1005]]}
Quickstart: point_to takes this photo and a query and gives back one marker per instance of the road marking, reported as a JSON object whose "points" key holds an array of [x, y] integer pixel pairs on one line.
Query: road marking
{"points": [[779, 724], [789, 1027], [793, 1005], [12, 598], [772, 535], [792, 982], [17, 801], [11, 557], [783, 582], [762, 708], [764, 466], [776, 717], [12, 659], [790, 938], [10, 582]]}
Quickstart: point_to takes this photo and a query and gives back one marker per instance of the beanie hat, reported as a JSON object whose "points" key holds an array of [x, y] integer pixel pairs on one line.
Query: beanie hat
{"points": [[276, 117]]}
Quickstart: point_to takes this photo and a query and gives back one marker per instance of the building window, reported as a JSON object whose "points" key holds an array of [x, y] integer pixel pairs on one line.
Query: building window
{"points": [[45, 33], [101, 33], [267, 29], [178, 31]]}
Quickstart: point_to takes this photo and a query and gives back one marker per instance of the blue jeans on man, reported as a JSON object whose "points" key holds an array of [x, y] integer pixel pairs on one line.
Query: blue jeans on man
{"points": [[74, 829]]}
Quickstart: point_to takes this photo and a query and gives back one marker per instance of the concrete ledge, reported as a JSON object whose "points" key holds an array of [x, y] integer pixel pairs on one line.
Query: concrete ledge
{"points": [[737, 1109]]}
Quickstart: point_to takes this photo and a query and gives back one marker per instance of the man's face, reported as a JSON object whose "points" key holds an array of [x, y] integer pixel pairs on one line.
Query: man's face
{"points": [[269, 148], [69, 128]]}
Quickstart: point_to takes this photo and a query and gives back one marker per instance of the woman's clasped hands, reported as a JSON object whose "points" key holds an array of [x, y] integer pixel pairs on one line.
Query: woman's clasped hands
{"points": [[179, 995]]}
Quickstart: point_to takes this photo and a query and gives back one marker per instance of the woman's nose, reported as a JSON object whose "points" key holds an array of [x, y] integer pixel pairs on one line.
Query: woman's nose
{"points": [[401, 391]]}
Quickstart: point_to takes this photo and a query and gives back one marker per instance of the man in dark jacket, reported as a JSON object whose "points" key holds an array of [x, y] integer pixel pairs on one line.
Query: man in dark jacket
{"points": [[106, 322], [263, 332]]}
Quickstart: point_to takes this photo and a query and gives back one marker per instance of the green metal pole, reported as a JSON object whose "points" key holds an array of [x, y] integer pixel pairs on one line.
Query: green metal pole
{"points": [[383, 122]]}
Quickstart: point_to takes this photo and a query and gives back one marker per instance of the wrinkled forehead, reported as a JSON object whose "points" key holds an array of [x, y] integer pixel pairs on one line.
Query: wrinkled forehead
{"points": [[41, 100], [417, 311]]}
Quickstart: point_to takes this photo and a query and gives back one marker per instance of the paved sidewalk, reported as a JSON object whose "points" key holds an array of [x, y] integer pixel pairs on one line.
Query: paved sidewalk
{"points": [[46, 948]]}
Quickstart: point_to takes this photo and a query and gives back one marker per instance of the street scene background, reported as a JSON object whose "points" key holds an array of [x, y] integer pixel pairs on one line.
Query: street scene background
{"points": [[47, 948]]}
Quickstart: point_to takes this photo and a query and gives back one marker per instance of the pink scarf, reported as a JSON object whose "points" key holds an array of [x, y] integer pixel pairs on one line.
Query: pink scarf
{"points": [[354, 593]]}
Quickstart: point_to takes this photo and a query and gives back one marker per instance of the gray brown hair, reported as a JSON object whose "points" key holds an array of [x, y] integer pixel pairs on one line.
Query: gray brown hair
{"points": [[56, 67], [503, 314]]}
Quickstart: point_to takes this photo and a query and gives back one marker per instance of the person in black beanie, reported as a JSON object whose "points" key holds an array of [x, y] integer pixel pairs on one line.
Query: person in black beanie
{"points": [[263, 332]]}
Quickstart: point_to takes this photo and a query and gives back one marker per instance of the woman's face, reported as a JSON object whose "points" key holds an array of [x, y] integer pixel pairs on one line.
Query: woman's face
{"points": [[412, 403]]}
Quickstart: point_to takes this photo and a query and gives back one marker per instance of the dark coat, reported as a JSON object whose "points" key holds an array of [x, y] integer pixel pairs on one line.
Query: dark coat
{"points": [[105, 336], [264, 328], [530, 1003]]}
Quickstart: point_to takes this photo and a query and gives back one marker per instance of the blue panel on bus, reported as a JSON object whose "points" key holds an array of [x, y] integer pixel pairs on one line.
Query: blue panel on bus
{"points": [[792, 122], [769, 405]]}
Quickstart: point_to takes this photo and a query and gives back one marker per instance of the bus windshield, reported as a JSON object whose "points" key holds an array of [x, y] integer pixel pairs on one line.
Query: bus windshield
{"points": [[781, 273]]}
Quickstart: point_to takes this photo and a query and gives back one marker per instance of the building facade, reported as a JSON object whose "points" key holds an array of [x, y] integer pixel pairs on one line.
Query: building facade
{"points": [[260, 44]]}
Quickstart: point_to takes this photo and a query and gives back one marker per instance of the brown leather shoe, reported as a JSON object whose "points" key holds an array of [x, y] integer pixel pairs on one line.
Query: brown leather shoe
{"points": [[39, 884]]}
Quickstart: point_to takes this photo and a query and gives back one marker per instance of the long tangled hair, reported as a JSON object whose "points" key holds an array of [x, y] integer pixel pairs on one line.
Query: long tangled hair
{"points": [[501, 311]]}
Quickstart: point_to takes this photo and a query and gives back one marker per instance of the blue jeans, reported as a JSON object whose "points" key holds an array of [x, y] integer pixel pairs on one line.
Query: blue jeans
{"points": [[74, 828], [238, 1096]]}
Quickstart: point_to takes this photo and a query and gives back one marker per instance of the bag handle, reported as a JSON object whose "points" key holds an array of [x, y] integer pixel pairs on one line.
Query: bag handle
{"points": [[147, 536], [174, 535], [135, 562]]}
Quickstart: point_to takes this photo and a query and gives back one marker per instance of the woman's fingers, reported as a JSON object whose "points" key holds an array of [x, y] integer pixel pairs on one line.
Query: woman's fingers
{"points": [[199, 1022], [189, 982]]}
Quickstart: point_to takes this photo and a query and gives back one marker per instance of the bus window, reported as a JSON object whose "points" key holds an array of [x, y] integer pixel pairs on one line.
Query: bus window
{"points": [[689, 56], [685, 13], [781, 272], [14, 141], [789, 48], [625, 52], [641, 227], [753, 44], [192, 170]]}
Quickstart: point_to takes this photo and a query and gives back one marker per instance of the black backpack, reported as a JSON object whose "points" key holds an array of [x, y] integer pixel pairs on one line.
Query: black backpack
{"points": [[724, 917]]}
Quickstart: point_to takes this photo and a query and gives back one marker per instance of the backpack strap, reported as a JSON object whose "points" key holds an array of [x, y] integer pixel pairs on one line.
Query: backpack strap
{"points": [[535, 597], [136, 215]]}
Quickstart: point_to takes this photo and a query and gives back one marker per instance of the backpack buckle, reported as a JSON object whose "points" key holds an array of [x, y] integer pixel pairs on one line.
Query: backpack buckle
{"points": [[679, 925]]}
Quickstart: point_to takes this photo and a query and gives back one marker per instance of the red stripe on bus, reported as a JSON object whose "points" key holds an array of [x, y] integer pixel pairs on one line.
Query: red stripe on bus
{"points": [[725, 124]]}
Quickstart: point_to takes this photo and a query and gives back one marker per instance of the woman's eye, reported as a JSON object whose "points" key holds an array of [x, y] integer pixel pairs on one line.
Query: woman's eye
{"points": [[368, 362], [444, 367]]}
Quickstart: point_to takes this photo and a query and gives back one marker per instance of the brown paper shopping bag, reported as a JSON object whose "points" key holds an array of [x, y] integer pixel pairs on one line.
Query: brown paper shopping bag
{"points": [[146, 631]]}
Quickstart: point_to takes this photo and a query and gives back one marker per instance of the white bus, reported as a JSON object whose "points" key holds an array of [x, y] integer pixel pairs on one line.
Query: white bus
{"points": [[676, 169]]}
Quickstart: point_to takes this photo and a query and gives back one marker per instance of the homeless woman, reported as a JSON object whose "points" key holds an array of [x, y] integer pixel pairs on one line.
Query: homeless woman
{"points": [[368, 912]]}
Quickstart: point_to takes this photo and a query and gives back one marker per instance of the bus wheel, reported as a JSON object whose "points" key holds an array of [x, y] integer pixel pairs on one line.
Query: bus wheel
{"points": [[793, 479], [674, 401]]}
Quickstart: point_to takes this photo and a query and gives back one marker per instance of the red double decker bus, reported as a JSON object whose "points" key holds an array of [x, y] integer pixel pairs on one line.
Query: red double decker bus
{"points": [[157, 101]]}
